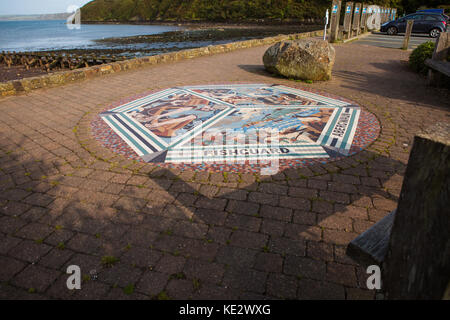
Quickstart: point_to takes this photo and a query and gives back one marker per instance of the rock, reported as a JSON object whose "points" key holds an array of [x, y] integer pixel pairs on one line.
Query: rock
{"points": [[305, 59]]}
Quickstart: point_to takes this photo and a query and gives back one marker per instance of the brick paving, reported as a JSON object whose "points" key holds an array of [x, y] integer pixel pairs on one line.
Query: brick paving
{"points": [[151, 233]]}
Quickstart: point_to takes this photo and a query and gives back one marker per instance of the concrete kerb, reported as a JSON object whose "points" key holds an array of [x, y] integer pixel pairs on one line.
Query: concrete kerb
{"points": [[60, 78]]}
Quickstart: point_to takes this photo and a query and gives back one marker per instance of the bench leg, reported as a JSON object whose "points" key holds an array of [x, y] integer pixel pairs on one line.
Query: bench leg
{"points": [[437, 79]]}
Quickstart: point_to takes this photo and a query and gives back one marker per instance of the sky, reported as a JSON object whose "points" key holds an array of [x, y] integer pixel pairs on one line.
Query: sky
{"points": [[13, 7]]}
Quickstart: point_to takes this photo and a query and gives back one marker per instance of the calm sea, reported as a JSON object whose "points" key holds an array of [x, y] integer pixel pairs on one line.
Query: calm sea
{"points": [[54, 35]]}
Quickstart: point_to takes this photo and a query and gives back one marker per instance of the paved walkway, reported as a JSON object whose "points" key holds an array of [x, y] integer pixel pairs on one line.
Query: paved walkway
{"points": [[151, 233]]}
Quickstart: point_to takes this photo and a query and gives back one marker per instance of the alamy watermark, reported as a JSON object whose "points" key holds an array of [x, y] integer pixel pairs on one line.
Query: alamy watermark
{"points": [[242, 146], [374, 19], [74, 20], [374, 280]]}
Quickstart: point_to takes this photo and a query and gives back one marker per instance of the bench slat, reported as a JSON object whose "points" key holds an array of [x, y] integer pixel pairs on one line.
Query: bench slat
{"points": [[441, 66]]}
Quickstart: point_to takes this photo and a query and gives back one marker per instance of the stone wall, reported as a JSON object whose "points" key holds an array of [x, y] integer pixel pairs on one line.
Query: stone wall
{"points": [[64, 77]]}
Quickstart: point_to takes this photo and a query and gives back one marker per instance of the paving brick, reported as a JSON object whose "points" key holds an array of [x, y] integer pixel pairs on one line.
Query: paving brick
{"points": [[120, 275], [350, 179], [12, 208], [243, 207], [384, 204], [273, 227], [303, 232], [92, 290], [286, 246], [341, 274], [210, 217], [335, 222], [30, 251], [269, 262], [152, 283], [35, 231], [214, 204], [335, 197], [85, 243], [247, 239], [321, 206], [35, 277], [56, 258], [218, 234], [170, 264], [319, 290], [235, 256], [304, 267], [11, 225], [338, 237], [7, 243], [360, 294], [295, 203], [282, 286], [190, 229], [245, 279], [9, 267], [199, 249], [243, 222], [208, 292], [303, 193], [304, 217], [140, 236], [180, 289], [273, 188], [204, 271], [141, 257], [59, 236], [276, 213], [320, 251]]}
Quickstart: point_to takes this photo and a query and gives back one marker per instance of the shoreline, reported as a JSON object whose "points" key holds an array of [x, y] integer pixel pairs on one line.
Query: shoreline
{"points": [[208, 24], [162, 43]]}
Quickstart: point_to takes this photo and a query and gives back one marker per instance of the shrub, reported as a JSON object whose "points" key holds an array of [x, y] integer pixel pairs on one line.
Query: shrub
{"points": [[419, 55]]}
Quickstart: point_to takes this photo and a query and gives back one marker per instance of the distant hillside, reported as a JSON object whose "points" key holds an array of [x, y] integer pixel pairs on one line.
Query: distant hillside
{"points": [[202, 10], [53, 16]]}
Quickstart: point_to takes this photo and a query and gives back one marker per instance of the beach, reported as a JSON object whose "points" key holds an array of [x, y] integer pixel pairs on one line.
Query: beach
{"points": [[131, 41]]}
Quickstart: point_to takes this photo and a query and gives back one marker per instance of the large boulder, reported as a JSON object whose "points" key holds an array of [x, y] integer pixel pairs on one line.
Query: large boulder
{"points": [[301, 59]]}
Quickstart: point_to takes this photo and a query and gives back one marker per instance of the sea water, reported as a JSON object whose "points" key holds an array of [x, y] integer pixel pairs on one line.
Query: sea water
{"points": [[54, 34]]}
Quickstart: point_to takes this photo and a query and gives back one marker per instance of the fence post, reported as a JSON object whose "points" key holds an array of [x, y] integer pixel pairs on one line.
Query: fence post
{"points": [[364, 16], [334, 22], [348, 20], [409, 27], [356, 19]]}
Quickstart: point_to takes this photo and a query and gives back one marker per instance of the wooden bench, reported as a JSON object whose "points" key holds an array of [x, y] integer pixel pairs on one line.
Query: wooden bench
{"points": [[412, 244], [439, 67]]}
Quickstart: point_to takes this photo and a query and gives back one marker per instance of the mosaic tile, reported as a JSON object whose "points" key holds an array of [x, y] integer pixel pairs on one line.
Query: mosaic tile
{"points": [[235, 128]]}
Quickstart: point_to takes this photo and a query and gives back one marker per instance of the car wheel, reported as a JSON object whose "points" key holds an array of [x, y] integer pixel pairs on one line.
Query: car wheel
{"points": [[434, 33], [392, 31]]}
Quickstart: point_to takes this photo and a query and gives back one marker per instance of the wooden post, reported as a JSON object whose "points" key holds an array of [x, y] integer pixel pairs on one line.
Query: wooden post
{"points": [[356, 19], [364, 15], [417, 263], [334, 21], [409, 26], [348, 20], [442, 47]]}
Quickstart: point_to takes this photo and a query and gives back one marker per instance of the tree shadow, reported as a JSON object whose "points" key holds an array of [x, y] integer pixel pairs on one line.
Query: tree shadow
{"points": [[123, 225], [396, 81]]}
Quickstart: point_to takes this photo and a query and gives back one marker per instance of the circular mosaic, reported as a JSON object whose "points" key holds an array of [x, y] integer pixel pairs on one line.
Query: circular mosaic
{"points": [[240, 128]]}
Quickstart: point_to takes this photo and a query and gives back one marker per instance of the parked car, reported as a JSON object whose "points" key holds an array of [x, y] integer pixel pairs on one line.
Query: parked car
{"points": [[435, 11], [430, 23]]}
